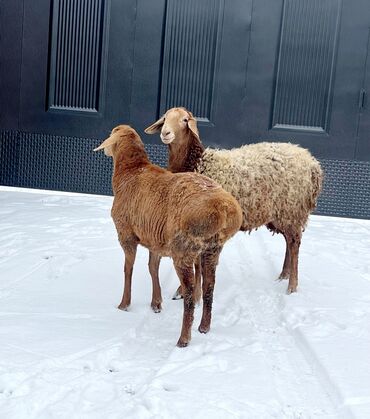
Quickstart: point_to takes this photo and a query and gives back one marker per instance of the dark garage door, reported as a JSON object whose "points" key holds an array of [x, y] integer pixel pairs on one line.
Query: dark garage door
{"points": [[293, 70]]}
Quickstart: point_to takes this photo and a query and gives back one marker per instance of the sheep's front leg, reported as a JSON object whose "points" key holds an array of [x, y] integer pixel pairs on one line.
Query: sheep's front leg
{"points": [[154, 261], [186, 276], [209, 263], [130, 254]]}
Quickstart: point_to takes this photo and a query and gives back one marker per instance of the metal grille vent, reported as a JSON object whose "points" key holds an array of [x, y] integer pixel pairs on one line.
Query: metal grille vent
{"points": [[76, 54]]}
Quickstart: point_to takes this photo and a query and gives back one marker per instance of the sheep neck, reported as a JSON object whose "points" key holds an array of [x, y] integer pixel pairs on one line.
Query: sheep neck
{"points": [[127, 163], [185, 155]]}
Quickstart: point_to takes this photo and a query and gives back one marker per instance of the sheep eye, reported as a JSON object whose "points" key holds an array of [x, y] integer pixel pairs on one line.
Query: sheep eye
{"points": [[185, 119]]}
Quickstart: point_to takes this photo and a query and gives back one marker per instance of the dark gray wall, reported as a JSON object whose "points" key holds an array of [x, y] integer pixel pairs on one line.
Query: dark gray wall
{"points": [[282, 70]]}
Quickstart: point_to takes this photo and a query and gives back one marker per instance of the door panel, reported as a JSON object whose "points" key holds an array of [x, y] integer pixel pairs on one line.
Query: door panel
{"points": [[67, 87], [301, 84], [203, 60], [10, 62], [78, 56], [269, 69], [147, 65], [304, 76], [229, 129], [363, 141], [190, 56]]}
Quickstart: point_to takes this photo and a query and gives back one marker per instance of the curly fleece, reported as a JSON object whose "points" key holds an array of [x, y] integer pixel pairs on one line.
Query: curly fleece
{"points": [[275, 183]]}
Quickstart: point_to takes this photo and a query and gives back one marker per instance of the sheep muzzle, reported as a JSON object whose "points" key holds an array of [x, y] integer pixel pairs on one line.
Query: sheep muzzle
{"points": [[168, 137]]}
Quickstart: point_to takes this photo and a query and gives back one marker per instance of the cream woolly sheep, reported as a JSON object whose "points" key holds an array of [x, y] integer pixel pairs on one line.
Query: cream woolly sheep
{"points": [[183, 215], [276, 184]]}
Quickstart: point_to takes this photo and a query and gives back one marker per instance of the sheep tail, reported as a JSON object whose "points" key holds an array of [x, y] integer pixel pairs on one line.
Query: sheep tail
{"points": [[317, 177], [223, 218]]}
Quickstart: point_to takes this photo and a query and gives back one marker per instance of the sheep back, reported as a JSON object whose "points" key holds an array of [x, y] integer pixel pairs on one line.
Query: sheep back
{"points": [[273, 182], [175, 212]]}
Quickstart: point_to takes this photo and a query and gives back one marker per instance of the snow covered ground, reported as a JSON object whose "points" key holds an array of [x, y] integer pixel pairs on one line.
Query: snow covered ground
{"points": [[67, 352]]}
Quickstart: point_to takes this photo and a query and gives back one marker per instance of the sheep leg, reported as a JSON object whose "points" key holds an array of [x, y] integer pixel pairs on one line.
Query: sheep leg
{"points": [[154, 261], [285, 273], [198, 281], [294, 239], [209, 263], [186, 276], [130, 254]]}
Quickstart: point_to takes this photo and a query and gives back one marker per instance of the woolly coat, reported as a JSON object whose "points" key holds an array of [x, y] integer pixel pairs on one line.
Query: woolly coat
{"points": [[275, 183], [174, 213], [171, 214]]}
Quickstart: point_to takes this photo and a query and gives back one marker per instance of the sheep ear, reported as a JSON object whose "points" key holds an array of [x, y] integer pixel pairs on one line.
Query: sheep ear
{"points": [[156, 127], [192, 124], [106, 143]]}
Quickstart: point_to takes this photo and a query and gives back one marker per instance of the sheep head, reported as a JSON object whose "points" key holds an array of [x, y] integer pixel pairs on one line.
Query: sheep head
{"points": [[174, 124], [125, 139]]}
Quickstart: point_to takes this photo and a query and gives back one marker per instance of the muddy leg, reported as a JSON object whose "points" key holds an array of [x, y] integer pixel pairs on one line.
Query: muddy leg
{"points": [[198, 284], [130, 254], [285, 273], [186, 276], [154, 261], [209, 263], [198, 280]]}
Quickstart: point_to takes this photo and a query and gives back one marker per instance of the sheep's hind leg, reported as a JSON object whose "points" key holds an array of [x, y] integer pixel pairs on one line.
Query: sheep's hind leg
{"points": [[130, 255], [154, 261], [285, 273], [198, 284], [294, 239], [209, 263], [198, 280], [186, 276]]}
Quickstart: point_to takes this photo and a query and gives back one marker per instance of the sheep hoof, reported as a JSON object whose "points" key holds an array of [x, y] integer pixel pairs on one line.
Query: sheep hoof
{"points": [[282, 276], [177, 295], [123, 307], [156, 307], [203, 329], [291, 289], [182, 344]]}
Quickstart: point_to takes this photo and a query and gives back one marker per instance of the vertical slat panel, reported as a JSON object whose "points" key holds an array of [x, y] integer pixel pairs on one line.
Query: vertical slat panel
{"points": [[189, 58], [96, 56], [305, 64], [77, 30]]}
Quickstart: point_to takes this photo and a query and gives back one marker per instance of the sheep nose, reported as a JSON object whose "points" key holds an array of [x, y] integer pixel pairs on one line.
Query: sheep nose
{"points": [[167, 133]]}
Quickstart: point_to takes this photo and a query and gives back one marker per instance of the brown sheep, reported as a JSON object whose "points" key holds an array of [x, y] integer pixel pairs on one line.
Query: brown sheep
{"points": [[276, 184], [184, 216]]}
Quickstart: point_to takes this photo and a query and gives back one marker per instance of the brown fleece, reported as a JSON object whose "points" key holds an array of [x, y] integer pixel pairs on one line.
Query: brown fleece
{"points": [[183, 215]]}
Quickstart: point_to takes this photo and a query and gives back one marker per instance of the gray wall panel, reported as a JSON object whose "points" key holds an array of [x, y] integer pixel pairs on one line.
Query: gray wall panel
{"points": [[69, 164], [59, 163], [346, 189], [9, 157]]}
